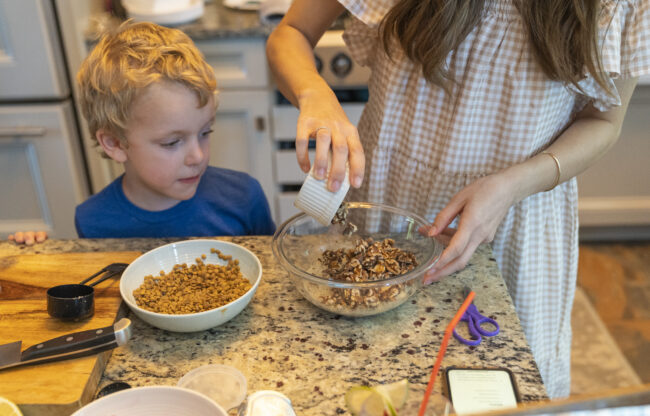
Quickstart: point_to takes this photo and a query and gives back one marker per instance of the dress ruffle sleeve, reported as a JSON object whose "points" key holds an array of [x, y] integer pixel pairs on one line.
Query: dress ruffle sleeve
{"points": [[625, 48], [361, 32]]}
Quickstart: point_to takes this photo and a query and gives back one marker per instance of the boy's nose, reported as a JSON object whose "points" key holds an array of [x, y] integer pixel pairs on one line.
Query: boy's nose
{"points": [[195, 154]]}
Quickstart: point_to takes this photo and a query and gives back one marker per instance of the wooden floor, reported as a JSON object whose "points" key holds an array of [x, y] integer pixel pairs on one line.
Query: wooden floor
{"points": [[616, 278]]}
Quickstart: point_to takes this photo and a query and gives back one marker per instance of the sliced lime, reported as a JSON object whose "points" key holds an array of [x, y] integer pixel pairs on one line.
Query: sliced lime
{"points": [[395, 394], [375, 405], [377, 400], [355, 397]]}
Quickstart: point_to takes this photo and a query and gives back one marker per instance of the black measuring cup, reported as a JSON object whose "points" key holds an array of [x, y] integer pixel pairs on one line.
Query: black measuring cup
{"points": [[77, 301]]}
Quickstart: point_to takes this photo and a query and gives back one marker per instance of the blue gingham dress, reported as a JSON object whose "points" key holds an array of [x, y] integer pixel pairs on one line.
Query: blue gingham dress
{"points": [[423, 145]]}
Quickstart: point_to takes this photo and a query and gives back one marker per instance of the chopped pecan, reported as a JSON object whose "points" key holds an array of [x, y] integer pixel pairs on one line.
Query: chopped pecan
{"points": [[368, 261], [341, 217]]}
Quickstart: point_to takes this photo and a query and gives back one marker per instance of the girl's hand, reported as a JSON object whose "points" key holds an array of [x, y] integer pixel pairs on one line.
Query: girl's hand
{"points": [[322, 118], [28, 237], [289, 49], [482, 205]]}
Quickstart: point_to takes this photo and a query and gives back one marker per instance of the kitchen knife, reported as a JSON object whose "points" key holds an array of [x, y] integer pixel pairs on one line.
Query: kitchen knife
{"points": [[78, 344]]}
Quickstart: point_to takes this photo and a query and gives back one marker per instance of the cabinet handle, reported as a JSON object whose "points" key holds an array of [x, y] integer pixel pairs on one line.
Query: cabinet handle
{"points": [[260, 124], [22, 131]]}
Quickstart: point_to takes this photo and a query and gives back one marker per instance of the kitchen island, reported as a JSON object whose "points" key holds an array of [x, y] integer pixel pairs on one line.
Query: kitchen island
{"points": [[282, 342]]}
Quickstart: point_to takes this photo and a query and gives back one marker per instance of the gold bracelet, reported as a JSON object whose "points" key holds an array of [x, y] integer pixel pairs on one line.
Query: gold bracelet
{"points": [[558, 172]]}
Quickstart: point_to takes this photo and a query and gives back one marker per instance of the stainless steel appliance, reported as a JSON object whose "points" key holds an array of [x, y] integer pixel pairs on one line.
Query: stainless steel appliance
{"points": [[42, 175]]}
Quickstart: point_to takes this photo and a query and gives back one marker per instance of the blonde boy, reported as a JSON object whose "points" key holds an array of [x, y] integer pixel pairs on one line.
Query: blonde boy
{"points": [[149, 99]]}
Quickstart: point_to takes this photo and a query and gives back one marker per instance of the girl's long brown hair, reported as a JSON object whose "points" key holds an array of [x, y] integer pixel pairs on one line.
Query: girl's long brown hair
{"points": [[563, 34]]}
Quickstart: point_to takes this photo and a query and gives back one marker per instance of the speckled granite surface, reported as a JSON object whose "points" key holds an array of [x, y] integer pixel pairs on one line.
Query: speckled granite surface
{"points": [[282, 342], [218, 21]]}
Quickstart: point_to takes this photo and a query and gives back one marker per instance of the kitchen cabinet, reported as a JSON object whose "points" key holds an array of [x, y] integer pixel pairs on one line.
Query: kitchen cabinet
{"points": [[42, 177], [40, 165], [238, 63], [32, 65]]}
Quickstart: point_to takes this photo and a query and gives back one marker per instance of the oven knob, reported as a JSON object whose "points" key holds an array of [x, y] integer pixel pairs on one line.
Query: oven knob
{"points": [[319, 63], [341, 65]]}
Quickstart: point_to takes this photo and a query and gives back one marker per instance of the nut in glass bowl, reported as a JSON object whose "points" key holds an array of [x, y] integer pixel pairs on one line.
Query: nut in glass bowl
{"points": [[368, 262]]}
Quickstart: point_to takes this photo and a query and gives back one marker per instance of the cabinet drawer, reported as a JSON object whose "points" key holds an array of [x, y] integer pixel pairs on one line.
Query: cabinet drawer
{"points": [[286, 167], [285, 118], [237, 63], [31, 60], [41, 172]]}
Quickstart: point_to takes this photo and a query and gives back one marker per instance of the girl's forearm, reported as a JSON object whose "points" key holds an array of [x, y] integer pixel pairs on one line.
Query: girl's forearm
{"points": [[290, 46], [292, 63]]}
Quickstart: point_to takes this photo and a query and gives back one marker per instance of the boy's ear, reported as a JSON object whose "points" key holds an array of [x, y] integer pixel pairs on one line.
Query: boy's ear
{"points": [[112, 145]]}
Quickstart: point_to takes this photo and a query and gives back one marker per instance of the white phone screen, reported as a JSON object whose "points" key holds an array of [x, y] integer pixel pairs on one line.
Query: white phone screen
{"points": [[480, 390]]}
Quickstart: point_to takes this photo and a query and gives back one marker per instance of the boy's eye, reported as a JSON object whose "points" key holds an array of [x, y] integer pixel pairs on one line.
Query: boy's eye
{"points": [[207, 133], [170, 143]]}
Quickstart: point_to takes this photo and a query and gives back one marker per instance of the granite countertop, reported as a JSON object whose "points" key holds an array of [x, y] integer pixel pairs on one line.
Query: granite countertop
{"points": [[282, 342], [217, 21]]}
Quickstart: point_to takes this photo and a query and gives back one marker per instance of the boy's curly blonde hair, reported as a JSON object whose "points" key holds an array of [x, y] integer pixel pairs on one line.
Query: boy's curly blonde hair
{"points": [[130, 58]]}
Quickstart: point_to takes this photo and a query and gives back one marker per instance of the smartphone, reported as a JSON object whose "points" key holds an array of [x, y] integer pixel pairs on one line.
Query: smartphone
{"points": [[473, 390]]}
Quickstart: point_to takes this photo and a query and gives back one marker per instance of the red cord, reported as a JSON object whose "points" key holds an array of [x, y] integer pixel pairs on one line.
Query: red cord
{"points": [[443, 348]]}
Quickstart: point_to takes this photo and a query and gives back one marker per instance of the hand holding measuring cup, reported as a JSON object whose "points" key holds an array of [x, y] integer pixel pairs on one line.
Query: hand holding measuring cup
{"points": [[475, 322]]}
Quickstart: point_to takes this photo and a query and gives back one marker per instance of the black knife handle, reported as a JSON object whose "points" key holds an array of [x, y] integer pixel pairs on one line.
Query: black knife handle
{"points": [[67, 344], [69, 354]]}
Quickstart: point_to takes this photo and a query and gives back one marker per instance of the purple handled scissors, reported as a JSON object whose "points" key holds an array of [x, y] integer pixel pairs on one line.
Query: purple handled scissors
{"points": [[475, 321]]}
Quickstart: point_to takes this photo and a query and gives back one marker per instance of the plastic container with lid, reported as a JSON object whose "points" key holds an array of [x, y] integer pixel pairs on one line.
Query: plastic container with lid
{"points": [[224, 384], [268, 403]]}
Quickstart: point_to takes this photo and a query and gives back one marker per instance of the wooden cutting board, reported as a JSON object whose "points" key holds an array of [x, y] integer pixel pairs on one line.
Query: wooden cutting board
{"points": [[57, 388]]}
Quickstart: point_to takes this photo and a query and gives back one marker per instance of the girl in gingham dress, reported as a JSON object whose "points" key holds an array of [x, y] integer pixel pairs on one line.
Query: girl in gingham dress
{"points": [[480, 115]]}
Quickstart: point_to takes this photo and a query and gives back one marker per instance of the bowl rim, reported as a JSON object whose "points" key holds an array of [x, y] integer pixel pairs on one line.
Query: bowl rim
{"points": [[163, 388], [421, 268], [195, 314]]}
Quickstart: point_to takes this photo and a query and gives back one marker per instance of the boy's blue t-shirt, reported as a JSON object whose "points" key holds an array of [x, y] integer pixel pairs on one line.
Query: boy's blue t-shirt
{"points": [[226, 203]]}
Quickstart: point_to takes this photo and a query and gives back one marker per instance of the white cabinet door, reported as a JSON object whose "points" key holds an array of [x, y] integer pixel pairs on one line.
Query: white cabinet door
{"points": [[41, 173], [31, 62], [238, 63], [241, 139]]}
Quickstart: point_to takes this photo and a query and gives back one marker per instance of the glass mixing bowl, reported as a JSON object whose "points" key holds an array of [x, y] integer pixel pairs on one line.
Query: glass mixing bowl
{"points": [[299, 244]]}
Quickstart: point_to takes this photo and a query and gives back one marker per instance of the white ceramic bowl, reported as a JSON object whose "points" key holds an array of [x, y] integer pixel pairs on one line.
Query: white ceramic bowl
{"points": [[164, 12], [165, 257], [153, 401]]}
